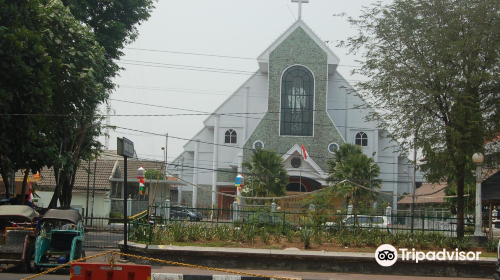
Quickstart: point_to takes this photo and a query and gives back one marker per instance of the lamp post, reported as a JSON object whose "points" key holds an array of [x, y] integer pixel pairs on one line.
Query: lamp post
{"points": [[478, 158]]}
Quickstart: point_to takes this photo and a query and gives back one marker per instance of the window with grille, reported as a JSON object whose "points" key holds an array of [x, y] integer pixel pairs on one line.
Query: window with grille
{"points": [[362, 139], [297, 102], [230, 137]]}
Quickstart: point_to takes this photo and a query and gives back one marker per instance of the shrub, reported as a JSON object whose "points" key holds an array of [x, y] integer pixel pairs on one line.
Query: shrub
{"points": [[177, 231], [236, 234], [305, 236], [264, 235], [249, 233], [492, 245]]}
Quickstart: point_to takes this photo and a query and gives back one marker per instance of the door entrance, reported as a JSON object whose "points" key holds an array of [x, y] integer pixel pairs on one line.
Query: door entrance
{"points": [[225, 202]]}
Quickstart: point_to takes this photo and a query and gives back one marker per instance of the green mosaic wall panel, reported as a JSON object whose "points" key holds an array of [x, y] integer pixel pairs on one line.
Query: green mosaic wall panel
{"points": [[297, 49], [226, 175]]}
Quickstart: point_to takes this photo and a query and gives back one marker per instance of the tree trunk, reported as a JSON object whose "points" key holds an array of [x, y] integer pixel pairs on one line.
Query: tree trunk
{"points": [[7, 185], [57, 190], [23, 189]]}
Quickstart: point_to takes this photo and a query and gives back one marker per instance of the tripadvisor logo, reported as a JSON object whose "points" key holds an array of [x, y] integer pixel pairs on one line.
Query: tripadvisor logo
{"points": [[386, 255]]}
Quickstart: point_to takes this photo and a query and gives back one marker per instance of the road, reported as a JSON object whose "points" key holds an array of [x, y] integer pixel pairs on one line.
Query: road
{"points": [[19, 273]]}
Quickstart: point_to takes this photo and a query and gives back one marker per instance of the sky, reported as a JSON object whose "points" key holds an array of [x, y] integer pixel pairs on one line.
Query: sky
{"points": [[191, 55]]}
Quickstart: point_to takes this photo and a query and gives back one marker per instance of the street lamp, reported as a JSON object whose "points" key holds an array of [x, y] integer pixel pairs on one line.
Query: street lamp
{"points": [[478, 158]]}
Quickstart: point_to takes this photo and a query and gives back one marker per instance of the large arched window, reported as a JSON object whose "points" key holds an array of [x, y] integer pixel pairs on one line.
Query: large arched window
{"points": [[362, 139], [297, 102], [230, 137]]}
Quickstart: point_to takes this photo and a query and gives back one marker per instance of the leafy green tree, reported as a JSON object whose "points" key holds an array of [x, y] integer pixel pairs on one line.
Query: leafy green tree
{"points": [[351, 164], [56, 72], [25, 86], [113, 24], [267, 174], [433, 69]]}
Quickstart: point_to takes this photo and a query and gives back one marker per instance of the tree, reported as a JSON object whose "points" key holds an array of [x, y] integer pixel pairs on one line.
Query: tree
{"points": [[56, 72], [268, 176], [113, 24], [26, 86], [433, 65], [351, 164]]}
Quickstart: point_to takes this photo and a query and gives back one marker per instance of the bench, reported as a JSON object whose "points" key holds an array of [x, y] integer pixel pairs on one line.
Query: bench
{"points": [[14, 241]]}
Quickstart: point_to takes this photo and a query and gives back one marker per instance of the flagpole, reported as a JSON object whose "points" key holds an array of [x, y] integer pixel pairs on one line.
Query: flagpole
{"points": [[300, 174]]}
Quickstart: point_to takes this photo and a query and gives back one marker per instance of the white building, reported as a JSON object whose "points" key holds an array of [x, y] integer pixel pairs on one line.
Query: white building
{"points": [[296, 97]]}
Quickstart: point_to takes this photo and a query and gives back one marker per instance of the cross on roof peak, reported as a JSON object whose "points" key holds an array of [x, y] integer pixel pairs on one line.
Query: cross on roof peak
{"points": [[300, 5]]}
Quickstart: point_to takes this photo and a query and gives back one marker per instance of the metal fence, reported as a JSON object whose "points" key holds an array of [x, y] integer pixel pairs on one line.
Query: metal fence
{"points": [[103, 232], [107, 232], [393, 222]]}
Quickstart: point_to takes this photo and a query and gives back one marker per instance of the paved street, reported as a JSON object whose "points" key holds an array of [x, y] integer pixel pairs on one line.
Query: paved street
{"points": [[19, 273]]}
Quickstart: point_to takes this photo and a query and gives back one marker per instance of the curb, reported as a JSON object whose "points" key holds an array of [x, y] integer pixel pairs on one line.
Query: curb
{"points": [[172, 276]]}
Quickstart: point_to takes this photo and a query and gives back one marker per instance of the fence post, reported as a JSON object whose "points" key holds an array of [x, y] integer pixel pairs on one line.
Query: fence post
{"points": [[235, 210], [273, 210], [388, 213], [167, 211]]}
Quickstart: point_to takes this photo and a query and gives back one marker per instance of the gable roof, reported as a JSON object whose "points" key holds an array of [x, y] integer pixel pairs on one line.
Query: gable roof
{"points": [[332, 59], [104, 170], [297, 149], [434, 193]]}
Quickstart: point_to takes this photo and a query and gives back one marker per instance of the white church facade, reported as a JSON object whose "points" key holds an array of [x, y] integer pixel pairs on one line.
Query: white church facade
{"points": [[296, 98]]}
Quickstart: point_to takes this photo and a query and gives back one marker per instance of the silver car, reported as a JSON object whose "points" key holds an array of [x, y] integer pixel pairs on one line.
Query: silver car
{"points": [[365, 221]]}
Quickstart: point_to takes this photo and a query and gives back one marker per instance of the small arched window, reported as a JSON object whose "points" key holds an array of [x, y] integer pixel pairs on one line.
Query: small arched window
{"points": [[230, 137], [362, 139]]}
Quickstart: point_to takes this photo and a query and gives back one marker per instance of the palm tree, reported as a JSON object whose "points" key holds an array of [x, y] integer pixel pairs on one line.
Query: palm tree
{"points": [[351, 164], [268, 176]]}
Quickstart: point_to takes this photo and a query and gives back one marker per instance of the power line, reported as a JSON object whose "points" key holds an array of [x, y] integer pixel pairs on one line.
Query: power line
{"points": [[205, 69], [229, 146], [213, 55]]}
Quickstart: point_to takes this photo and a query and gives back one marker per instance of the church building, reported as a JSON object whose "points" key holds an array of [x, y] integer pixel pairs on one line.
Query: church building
{"points": [[295, 98]]}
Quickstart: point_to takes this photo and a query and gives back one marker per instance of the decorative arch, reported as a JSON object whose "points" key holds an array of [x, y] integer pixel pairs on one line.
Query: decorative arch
{"points": [[297, 102], [296, 187]]}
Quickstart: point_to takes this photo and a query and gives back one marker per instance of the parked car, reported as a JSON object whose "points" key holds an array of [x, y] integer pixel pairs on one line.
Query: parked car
{"points": [[365, 222], [185, 214], [17, 235], [60, 240]]}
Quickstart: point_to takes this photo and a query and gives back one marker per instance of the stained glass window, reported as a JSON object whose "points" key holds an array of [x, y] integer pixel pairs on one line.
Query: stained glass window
{"points": [[297, 102]]}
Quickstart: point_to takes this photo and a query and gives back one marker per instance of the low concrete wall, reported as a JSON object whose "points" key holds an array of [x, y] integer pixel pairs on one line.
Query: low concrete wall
{"points": [[336, 262]]}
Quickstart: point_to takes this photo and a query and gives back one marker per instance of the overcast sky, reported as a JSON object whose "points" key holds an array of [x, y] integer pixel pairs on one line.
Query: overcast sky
{"points": [[222, 34]]}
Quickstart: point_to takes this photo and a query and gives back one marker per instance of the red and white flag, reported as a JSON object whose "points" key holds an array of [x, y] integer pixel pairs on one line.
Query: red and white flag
{"points": [[304, 153]]}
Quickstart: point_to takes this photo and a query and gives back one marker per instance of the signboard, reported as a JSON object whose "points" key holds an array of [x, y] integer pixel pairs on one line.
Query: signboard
{"points": [[124, 147], [84, 271]]}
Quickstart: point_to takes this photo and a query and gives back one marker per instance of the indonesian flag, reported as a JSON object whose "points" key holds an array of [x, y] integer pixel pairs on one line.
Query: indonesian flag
{"points": [[304, 151]]}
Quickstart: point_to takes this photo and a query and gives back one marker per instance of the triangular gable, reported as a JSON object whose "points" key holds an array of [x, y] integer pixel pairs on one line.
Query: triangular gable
{"points": [[309, 160], [332, 59]]}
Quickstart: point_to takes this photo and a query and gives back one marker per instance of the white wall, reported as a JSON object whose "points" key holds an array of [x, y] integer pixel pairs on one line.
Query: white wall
{"points": [[79, 200]]}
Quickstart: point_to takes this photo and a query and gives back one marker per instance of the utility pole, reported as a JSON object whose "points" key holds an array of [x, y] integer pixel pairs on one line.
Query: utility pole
{"points": [[88, 190], [108, 122], [414, 178], [166, 166], [93, 193]]}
